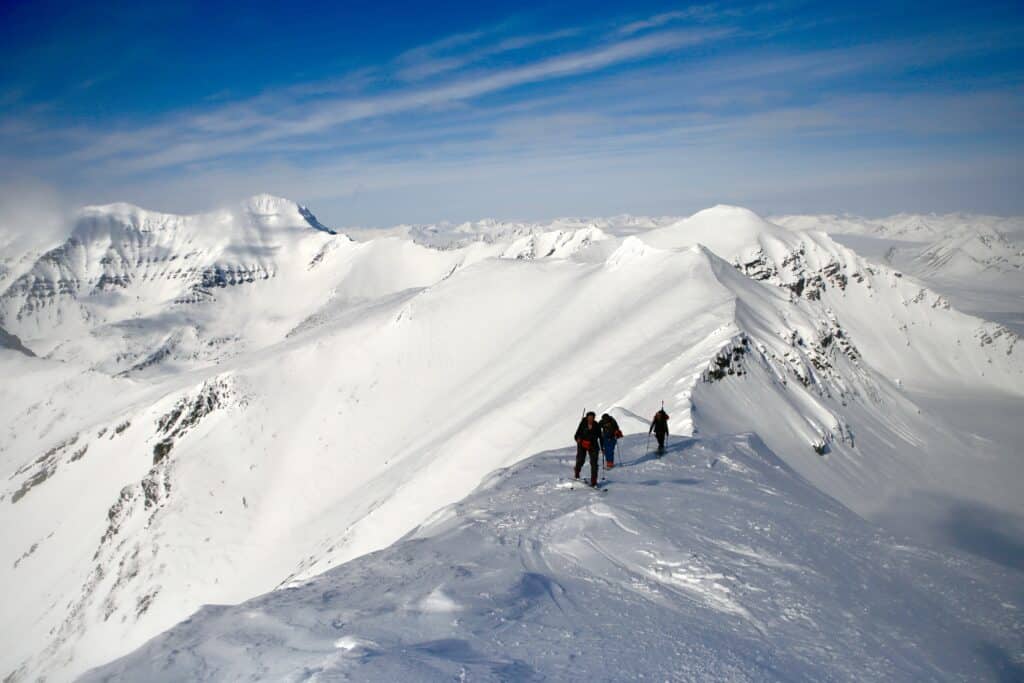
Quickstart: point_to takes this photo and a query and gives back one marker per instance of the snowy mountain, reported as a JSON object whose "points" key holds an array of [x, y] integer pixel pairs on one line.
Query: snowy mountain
{"points": [[975, 261], [910, 227], [125, 275], [953, 248], [456, 235], [131, 289], [235, 402], [688, 568]]}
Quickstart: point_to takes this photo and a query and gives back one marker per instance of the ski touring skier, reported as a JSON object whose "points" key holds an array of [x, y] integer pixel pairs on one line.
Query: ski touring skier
{"points": [[659, 425], [610, 434], [588, 442]]}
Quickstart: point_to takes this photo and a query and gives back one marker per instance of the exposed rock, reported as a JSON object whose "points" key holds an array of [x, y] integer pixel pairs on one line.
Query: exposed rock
{"points": [[728, 361], [11, 341], [45, 466], [161, 450]]}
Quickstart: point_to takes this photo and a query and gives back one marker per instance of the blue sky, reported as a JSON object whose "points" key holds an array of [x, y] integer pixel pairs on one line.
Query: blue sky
{"points": [[378, 113]]}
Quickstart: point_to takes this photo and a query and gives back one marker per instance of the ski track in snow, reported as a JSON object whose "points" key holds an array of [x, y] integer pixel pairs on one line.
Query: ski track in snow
{"points": [[682, 571]]}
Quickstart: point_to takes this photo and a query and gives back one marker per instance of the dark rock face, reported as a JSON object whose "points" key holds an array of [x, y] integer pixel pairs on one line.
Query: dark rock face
{"points": [[794, 274], [161, 450], [728, 361], [313, 222], [759, 267], [44, 467], [229, 275], [187, 412], [11, 341]]}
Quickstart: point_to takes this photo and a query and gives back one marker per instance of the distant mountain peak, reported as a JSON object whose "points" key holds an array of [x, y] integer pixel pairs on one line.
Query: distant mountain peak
{"points": [[266, 203]]}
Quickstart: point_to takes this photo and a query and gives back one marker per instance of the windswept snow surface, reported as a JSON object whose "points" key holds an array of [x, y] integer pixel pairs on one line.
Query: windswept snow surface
{"points": [[231, 403], [713, 562]]}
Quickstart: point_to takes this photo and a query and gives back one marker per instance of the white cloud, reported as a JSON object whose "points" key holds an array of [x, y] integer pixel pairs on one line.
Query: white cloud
{"points": [[419, 65], [628, 116], [241, 127], [659, 20], [33, 215]]}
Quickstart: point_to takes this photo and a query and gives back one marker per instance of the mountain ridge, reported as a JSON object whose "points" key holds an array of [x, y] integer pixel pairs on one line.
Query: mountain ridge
{"points": [[369, 383]]}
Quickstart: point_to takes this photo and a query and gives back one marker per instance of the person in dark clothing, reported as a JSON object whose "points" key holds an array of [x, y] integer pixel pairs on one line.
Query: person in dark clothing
{"points": [[588, 442], [609, 435], [659, 425]]}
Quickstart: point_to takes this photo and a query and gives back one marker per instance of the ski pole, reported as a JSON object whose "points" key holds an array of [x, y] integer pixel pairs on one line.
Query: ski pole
{"points": [[604, 467]]}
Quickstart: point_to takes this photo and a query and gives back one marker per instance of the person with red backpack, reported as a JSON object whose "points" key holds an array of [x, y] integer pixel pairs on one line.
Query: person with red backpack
{"points": [[588, 442], [610, 434]]}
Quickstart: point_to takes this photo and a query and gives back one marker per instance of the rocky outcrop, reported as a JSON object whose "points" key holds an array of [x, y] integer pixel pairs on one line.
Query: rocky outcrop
{"points": [[12, 342]]}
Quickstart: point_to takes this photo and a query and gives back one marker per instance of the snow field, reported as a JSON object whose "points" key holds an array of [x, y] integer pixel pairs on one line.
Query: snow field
{"points": [[185, 444], [715, 561]]}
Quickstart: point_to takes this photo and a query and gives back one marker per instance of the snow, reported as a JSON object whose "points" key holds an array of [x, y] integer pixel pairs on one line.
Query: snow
{"points": [[977, 262], [714, 562], [236, 402]]}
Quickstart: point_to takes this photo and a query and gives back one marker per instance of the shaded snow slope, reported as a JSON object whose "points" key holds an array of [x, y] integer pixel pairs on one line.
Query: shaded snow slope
{"points": [[714, 562], [333, 443], [812, 379], [122, 265], [183, 452], [458, 235], [905, 330], [143, 293]]}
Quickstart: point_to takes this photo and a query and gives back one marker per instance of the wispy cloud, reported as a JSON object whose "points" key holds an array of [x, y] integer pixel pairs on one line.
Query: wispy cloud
{"points": [[433, 60], [641, 106], [659, 20], [240, 127], [697, 13]]}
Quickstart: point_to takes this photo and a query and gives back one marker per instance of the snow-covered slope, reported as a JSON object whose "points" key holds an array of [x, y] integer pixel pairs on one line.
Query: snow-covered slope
{"points": [[977, 262], [135, 291], [947, 249], [714, 562], [912, 227], [457, 235], [123, 266], [176, 451]]}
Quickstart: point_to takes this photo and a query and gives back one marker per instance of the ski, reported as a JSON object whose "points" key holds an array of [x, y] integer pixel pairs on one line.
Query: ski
{"points": [[576, 484]]}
